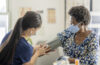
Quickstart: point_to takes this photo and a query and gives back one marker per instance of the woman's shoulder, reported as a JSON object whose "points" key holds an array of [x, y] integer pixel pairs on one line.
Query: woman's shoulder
{"points": [[94, 37], [93, 34], [65, 33], [24, 44], [5, 37], [24, 51]]}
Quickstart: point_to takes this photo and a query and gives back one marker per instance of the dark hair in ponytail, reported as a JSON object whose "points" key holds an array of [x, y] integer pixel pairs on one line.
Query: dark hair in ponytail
{"points": [[30, 20], [6, 55]]}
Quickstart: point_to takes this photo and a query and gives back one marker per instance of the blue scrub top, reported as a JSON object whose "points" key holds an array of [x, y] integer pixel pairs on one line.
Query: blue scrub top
{"points": [[23, 52]]}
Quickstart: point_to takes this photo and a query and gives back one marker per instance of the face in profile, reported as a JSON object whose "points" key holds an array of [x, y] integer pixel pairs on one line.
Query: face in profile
{"points": [[33, 31], [73, 21]]}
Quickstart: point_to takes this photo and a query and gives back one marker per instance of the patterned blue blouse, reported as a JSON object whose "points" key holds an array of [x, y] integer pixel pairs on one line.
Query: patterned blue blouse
{"points": [[86, 52]]}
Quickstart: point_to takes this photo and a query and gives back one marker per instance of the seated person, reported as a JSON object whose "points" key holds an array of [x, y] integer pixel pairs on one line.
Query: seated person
{"points": [[15, 48], [78, 41]]}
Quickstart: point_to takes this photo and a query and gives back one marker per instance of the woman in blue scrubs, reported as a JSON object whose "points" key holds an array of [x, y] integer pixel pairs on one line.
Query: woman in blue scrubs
{"points": [[15, 49]]}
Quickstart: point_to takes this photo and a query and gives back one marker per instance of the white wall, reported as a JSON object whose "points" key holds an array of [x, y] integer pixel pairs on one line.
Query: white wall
{"points": [[48, 31], [96, 5]]}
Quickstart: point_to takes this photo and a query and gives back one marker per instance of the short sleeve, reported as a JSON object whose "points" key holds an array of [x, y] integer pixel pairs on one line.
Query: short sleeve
{"points": [[24, 52]]}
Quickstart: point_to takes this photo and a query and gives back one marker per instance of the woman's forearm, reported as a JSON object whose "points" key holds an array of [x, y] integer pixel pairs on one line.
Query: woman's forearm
{"points": [[34, 58]]}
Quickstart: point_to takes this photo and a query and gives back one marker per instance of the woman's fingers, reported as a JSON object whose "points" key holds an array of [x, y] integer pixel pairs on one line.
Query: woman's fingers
{"points": [[48, 49], [43, 49], [71, 60]]}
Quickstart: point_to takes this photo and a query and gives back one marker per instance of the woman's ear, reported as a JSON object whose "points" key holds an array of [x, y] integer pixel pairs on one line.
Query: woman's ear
{"points": [[82, 24], [33, 31]]}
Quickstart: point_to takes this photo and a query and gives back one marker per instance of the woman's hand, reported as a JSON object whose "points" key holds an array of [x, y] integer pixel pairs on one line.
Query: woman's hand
{"points": [[71, 60], [36, 47], [42, 49]]}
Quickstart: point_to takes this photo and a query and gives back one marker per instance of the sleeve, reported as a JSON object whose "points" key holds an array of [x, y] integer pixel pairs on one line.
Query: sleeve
{"points": [[24, 53], [64, 36], [90, 58], [59, 40]]}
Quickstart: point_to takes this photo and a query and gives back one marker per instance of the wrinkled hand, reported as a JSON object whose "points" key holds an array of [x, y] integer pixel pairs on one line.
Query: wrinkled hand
{"points": [[71, 60], [47, 48]]}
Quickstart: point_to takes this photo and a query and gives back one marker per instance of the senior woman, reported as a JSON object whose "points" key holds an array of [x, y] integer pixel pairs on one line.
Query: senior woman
{"points": [[78, 41]]}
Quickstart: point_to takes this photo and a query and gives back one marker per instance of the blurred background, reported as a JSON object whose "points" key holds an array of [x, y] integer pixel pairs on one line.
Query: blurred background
{"points": [[55, 19]]}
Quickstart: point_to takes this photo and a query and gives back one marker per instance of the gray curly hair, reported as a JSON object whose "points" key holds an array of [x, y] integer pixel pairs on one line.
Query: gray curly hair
{"points": [[81, 14]]}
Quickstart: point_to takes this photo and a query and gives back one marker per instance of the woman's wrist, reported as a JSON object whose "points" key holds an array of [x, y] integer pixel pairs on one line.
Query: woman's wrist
{"points": [[37, 54]]}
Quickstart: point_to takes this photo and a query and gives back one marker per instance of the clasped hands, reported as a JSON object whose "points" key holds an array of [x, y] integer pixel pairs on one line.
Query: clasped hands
{"points": [[42, 49]]}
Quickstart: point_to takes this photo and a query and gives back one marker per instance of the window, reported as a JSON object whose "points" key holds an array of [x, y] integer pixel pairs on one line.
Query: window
{"points": [[3, 5], [3, 18], [95, 23]]}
